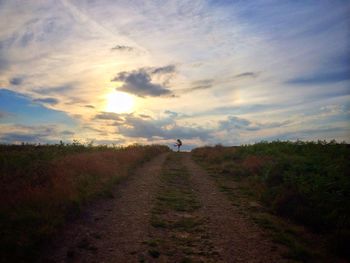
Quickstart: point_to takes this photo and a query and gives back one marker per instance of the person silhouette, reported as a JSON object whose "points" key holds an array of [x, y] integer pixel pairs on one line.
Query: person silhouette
{"points": [[178, 144]]}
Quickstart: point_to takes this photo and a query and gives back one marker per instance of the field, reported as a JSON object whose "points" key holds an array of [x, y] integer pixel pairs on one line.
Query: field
{"points": [[267, 202], [307, 183], [41, 187]]}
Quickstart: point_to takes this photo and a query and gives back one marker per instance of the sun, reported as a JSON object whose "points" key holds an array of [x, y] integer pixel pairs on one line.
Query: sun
{"points": [[119, 102]]}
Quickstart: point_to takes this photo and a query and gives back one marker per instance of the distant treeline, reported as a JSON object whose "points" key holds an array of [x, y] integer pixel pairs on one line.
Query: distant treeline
{"points": [[43, 185], [308, 182]]}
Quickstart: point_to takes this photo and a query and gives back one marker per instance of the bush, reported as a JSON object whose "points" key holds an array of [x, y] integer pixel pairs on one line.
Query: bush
{"points": [[308, 182]]}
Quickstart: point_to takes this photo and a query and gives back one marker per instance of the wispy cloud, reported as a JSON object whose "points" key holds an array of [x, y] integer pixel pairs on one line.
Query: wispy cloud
{"points": [[236, 123], [122, 48], [52, 101], [198, 69], [321, 78], [247, 75]]}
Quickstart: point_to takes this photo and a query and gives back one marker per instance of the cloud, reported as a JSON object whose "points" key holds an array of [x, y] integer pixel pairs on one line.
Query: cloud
{"points": [[148, 128], [163, 70], [208, 52], [22, 137], [122, 48], [16, 81], [172, 114], [52, 101], [140, 83], [32, 134], [67, 133], [321, 78], [53, 90], [236, 110], [236, 123], [247, 75], [198, 85], [24, 111], [109, 116], [144, 116]]}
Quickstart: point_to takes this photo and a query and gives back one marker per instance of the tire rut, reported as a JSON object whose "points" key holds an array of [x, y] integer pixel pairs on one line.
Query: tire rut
{"points": [[233, 235]]}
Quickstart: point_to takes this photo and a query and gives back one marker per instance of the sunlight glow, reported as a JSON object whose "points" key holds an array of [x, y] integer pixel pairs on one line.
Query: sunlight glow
{"points": [[119, 102]]}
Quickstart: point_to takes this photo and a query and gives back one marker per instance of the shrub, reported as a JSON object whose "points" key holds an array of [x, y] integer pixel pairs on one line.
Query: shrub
{"points": [[308, 182]]}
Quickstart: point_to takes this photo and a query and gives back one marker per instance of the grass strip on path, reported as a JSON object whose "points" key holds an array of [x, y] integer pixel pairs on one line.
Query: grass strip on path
{"points": [[178, 229]]}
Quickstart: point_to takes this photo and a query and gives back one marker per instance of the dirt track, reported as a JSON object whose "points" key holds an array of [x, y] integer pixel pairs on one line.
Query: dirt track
{"points": [[236, 238], [117, 230]]}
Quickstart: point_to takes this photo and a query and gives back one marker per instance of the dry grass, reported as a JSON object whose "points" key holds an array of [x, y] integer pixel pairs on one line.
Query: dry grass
{"points": [[44, 189]]}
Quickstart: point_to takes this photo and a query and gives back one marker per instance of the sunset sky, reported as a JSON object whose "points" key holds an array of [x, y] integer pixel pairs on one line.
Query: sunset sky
{"points": [[208, 72]]}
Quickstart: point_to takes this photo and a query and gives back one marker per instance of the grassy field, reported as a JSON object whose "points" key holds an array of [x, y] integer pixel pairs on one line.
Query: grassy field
{"points": [[42, 186], [304, 182]]}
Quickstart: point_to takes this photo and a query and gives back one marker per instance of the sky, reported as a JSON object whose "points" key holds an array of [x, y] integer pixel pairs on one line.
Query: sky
{"points": [[205, 71]]}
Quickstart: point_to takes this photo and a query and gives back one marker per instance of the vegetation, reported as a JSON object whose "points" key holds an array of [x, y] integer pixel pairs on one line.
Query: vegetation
{"points": [[307, 182], [176, 213], [42, 186]]}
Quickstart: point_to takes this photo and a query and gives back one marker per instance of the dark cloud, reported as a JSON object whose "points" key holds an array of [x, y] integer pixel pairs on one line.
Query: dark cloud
{"points": [[151, 129], [30, 134], [163, 70], [21, 137], [235, 123], [247, 75], [130, 125], [16, 81], [140, 83], [122, 48], [321, 78], [67, 133], [89, 106], [144, 116], [52, 101]]}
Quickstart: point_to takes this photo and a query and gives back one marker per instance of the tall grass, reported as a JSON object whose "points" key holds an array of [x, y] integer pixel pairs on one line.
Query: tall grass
{"points": [[308, 182], [41, 186]]}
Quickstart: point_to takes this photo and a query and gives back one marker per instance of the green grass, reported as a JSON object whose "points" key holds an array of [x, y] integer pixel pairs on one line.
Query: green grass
{"points": [[304, 182], [175, 214]]}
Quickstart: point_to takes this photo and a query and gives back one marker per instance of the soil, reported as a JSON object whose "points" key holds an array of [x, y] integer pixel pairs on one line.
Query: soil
{"points": [[119, 229], [112, 230]]}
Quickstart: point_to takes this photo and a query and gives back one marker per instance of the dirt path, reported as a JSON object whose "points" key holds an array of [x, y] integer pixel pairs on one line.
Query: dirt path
{"points": [[236, 239], [171, 210], [113, 230]]}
